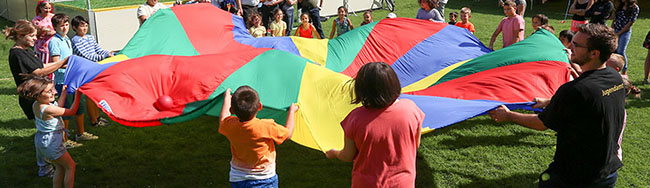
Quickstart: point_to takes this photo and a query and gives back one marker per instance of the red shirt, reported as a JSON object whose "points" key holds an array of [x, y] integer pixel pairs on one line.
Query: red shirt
{"points": [[387, 143], [307, 33]]}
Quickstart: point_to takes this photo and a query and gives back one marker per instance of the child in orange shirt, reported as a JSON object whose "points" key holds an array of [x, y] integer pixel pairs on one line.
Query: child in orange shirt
{"points": [[465, 14], [251, 139]]}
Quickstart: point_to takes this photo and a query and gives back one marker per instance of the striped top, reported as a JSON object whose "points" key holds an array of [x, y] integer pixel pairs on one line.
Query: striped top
{"points": [[88, 48]]}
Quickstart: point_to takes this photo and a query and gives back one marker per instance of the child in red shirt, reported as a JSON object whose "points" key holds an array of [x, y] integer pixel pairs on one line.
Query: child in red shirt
{"points": [[305, 29], [383, 135]]}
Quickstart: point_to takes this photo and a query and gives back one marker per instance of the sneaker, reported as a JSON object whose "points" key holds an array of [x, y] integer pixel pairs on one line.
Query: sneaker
{"points": [[46, 171], [646, 82], [86, 136], [101, 122], [71, 144]]}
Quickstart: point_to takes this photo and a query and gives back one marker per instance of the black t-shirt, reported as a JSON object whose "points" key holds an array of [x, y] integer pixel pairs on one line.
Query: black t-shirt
{"points": [[578, 7], [23, 61], [587, 114], [604, 7]]}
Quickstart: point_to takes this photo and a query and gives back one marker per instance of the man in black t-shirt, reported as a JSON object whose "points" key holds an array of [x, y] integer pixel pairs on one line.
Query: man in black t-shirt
{"points": [[587, 114]]}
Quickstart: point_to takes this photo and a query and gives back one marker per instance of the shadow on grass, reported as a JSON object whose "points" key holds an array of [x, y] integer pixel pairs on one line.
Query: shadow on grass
{"points": [[461, 141], [299, 166], [424, 177], [18, 154], [8, 91], [189, 154], [642, 102], [517, 180]]}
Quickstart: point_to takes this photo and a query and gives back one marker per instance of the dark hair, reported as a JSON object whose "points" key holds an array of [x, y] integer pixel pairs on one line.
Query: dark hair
{"points": [[432, 3], [568, 34], [252, 16], [234, 10], [245, 103], [368, 12], [631, 4], [305, 13], [548, 28], [376, 86], [344, 9], [601, 38], [543, 19], [59, 18], [33, 86], [78, 20], [40, 5], [276, 10], [454, 14], [510, 3], [21, 28]]}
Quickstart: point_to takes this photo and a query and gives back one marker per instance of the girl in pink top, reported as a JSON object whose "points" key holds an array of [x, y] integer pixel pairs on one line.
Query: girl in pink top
{"points": [[383, 135], [44, 29]]}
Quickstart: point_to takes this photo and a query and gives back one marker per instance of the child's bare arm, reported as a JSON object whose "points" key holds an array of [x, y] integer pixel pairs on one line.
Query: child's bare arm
{"points": [[59, 111], [63, 95], [291, 119], [333, 29], [347, 154], [494, 37], [350, 23], [225, 109], [517, 39]]}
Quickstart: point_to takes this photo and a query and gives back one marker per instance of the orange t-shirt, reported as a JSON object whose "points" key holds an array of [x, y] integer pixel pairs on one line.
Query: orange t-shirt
{"points": [[469, 26], [251, 142]]}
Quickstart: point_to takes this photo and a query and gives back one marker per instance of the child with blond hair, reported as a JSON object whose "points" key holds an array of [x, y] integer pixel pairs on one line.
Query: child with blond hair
{"points": [[465, 14]]}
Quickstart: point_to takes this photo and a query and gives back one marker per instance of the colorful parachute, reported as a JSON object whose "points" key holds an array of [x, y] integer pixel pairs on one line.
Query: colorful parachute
{"points": [[194, 53]]}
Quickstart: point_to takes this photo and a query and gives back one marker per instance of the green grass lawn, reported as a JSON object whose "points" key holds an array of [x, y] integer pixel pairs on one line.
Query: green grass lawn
{"points": [[473, 153]]}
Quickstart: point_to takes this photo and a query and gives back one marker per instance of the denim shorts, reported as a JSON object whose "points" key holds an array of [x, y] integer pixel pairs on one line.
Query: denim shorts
{"points": [[49, 145], [269, 182]]}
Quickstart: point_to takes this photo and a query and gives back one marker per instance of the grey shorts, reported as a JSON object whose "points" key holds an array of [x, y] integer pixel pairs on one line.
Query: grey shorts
{"points": [[520, 2], [49, 145]]}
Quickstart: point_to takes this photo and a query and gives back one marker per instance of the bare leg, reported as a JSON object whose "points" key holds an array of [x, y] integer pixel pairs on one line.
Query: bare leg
{"points": [[80, 124], [65, 169], [646, 68], [59, 174], [93, 110]]}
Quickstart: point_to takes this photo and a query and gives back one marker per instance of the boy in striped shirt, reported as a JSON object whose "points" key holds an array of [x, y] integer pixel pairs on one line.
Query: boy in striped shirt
{"points": [[85, 46]]}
